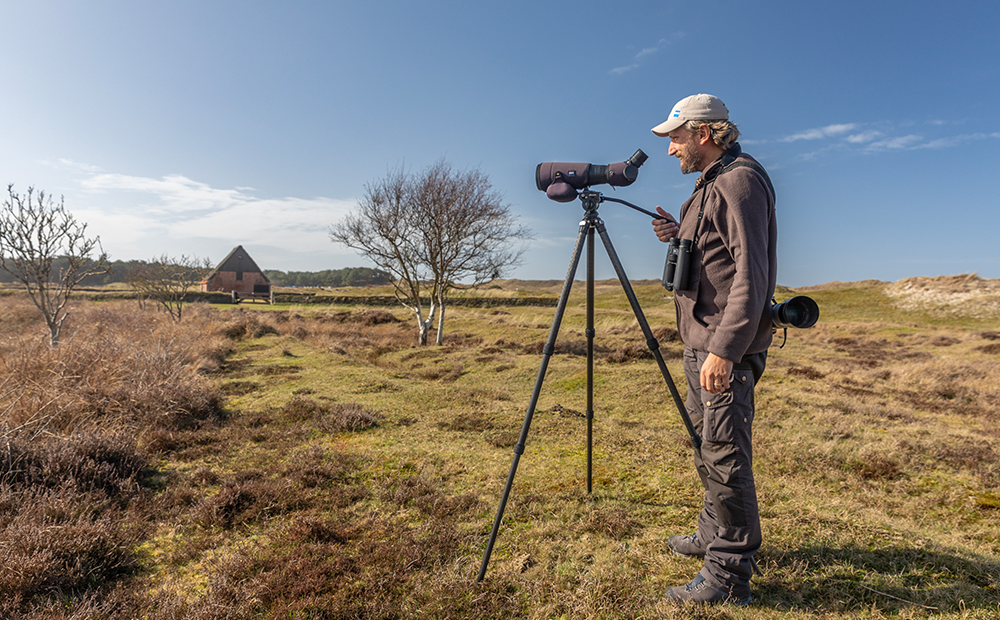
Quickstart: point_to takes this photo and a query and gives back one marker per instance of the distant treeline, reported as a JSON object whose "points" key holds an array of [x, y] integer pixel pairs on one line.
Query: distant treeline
{"points": [[351, 276], [117, 272]]}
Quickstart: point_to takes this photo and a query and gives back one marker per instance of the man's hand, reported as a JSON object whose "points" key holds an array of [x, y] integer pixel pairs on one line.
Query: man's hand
{"points": [[666, 228], [715, 373]]}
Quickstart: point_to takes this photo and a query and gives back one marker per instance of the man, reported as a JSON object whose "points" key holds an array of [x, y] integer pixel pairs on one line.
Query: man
{"points": [[723, 316]]}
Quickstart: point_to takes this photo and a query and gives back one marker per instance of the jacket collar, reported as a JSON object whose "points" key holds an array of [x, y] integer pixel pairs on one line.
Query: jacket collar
{"points": [[716, 167]]}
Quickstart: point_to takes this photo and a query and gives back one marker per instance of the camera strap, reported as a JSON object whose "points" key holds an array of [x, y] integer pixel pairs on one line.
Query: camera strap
{"points": [[701, 213], [727, 163], [755, 167]]}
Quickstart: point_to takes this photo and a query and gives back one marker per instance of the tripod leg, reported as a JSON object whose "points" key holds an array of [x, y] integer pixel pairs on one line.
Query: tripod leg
{"points": [[546, 355], [651, 342], [590, 358]]}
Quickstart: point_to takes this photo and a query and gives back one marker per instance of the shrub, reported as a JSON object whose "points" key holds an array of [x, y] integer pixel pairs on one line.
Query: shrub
{"points": [[124, 367], [332, 418], [244, 325], [72, 475], [86, 462]]}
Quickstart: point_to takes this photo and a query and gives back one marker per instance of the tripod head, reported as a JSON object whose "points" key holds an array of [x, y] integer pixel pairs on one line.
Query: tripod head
{"points": [[592, 200]]}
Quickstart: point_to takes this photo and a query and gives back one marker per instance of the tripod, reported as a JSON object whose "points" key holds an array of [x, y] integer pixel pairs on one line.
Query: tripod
{"points": [[591, 201]]}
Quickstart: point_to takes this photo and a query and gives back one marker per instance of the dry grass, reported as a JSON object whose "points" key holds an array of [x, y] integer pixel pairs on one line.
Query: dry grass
{"points": [[349, 474], [73, 477], [963, 295], [116, 365]]}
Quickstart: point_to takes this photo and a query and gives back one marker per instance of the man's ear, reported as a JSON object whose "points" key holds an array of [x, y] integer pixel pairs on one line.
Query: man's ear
{"points": [[704, 134]]}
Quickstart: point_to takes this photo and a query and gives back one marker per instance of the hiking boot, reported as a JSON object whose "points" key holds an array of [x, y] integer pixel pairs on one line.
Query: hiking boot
{"points": [[686, 546], [703, 593]]}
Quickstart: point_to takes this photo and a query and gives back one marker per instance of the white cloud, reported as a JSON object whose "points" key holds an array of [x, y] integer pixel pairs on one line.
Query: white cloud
{"points": [[643, 53], [880, 140], [820, 132], [820, 152], [943, 143], [649, 51], [78, 167], [172, 194], [624, 69], [864, 137], [141, 217], [952, 141], [894, 144]]}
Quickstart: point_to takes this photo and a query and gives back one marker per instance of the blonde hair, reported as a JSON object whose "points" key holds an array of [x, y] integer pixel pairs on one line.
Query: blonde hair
{"points": [[724, 133]]}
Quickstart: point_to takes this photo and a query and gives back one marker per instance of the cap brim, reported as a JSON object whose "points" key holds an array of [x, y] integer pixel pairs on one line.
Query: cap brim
{"points": [[667, 126]]}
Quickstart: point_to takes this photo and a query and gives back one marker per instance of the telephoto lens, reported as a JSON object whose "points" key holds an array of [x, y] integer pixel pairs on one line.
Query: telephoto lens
{"points": [[799, 312]]}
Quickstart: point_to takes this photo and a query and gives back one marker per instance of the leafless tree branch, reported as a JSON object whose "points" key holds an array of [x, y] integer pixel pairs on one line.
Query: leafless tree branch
{"points": [[167, 280], [432, 232], [34, 233]]}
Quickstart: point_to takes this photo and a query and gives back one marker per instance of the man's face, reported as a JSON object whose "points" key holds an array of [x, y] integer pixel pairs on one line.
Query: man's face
{"points": [[684, 145]]}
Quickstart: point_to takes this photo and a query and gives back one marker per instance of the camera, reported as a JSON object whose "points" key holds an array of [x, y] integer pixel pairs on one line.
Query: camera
{"points": [[799, 311], [560, 180]]}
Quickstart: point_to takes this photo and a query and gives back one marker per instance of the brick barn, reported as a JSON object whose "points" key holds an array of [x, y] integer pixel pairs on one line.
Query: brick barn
{"points": [[238, 274]]}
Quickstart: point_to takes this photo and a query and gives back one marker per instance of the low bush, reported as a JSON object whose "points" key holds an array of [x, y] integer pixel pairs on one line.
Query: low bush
{"points": [[74, 481]]}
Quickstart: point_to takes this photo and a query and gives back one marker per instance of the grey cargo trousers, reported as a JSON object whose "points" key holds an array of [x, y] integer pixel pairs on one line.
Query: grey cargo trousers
{"points": [[729, 523]]}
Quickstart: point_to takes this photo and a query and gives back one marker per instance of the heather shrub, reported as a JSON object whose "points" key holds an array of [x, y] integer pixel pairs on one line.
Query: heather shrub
{"points": [[87, 462], [116, 366], [332, 418], [65, 505], [245, 324], [365, 333], [62, 539], [72, 475]]}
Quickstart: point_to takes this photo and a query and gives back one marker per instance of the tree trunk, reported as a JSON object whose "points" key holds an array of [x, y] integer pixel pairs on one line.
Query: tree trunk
{"points": [[424, 326], [424, 329], [440, 329], [55, 329]]}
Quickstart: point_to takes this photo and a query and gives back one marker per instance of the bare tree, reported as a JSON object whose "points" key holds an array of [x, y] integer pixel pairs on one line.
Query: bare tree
{"points": [[167, 280], [34, 232], [382, 228], [434, 232]]}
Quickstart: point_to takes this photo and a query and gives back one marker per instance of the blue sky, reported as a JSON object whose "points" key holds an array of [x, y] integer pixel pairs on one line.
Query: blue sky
{"points": [[191, 127]]}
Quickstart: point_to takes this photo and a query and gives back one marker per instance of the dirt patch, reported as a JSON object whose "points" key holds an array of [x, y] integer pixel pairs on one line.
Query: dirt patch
{"points": [[806, 371], [873, 352]]}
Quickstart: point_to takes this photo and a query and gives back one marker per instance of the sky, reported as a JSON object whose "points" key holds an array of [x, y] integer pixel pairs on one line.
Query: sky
{"points": [[191, 127]]}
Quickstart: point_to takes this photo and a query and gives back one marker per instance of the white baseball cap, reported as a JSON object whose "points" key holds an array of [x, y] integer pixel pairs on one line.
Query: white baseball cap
{"points": [[699, 107]]}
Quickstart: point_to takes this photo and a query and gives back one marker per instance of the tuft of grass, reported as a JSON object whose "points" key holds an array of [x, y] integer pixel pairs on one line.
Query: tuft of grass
{"points": [[333, 417]]}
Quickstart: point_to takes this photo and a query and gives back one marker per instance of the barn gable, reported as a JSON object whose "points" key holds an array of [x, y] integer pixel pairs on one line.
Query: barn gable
{"points": [[238, 273], [238, 261]]}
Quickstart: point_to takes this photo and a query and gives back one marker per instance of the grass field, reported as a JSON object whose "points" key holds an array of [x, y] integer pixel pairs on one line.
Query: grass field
{"points": [[311, 462]]}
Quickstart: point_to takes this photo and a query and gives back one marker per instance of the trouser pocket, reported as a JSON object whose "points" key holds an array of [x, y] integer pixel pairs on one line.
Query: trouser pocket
{"points": [[729, 414]]}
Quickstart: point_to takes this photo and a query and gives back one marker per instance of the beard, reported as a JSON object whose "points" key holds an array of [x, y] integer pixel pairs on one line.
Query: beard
{"points": [[691, 159]]}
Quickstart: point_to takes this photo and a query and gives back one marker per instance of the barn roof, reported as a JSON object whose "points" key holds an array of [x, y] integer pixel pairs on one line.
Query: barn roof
{"points": [[239, 261]]}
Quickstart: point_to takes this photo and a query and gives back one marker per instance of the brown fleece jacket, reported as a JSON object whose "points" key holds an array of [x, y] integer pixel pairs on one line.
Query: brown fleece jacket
{"points": [[726, 307]]}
